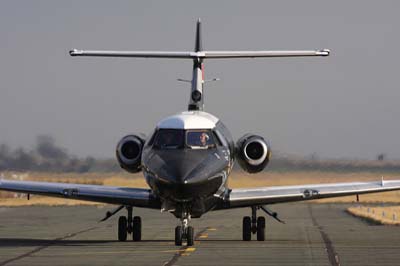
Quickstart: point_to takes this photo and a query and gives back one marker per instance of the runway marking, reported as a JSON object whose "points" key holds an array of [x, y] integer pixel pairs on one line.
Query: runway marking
{"points": [[203, 236], [50, 243], [333, 256], [172, 250], [184, 251]]}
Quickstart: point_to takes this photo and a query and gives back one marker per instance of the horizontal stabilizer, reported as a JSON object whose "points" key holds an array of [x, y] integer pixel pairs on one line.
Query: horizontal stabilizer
{"points": [[200, 55], [252, 54], [153, 54]]}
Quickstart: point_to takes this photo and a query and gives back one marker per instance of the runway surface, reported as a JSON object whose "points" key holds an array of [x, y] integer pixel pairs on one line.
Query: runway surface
{"points": [[315, 234]]}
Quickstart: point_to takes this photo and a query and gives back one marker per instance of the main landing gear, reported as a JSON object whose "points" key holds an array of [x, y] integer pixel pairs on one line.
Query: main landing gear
{"points": [[129, 225], [254, 225], [183, 232]]}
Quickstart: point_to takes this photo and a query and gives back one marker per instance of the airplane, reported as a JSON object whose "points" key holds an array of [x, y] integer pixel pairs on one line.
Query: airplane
{"points": [[187, 159]]}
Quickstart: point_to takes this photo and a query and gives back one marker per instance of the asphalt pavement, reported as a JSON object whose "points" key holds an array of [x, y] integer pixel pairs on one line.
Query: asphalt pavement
{"points": [[314, 234]]}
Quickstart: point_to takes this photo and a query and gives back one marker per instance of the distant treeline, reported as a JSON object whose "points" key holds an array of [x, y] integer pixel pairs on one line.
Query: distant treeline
{"points": [[333, 165], [47, 156]]}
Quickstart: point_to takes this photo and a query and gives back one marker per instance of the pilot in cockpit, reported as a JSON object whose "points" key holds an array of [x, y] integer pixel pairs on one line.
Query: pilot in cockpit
{"points": [[204, 139]]}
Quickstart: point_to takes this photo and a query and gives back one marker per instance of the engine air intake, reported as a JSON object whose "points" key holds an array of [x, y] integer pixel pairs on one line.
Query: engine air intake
{"points": [[129, 153], [253, 153]]}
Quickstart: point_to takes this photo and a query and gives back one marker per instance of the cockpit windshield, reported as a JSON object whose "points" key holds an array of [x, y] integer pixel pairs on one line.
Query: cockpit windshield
{"points": [[170, 139], [179, 139], [199, 139]]}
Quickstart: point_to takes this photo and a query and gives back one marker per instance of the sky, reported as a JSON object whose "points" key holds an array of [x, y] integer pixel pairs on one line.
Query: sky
{"points": [[342, 106]]}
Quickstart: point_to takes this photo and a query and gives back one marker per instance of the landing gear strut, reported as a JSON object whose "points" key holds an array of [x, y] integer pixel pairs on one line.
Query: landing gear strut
{"points": [[129, 225], [254, 225], [184, 231]]}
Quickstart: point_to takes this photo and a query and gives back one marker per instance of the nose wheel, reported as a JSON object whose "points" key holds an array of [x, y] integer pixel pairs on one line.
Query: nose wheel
{"points": [[129, 225], [184, 232], [253, 225]]}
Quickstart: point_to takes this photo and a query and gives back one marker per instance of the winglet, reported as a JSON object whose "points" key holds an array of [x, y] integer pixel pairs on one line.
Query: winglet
{"points": [[382, 182]]}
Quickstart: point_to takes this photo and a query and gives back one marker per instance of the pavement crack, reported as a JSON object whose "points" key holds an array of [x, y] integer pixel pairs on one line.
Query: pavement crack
{"points": [[49, 244], [333, 256], [182, 250]]}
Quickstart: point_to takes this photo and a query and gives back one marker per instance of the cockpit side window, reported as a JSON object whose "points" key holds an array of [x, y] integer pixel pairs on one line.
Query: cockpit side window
{"points": [[169, 139], [217, 140], [151, 140], [199, 139]]}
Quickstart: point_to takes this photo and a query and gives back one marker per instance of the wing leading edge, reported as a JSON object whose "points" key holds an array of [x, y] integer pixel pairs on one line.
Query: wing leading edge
{"points": [[138, 197], [281, 194]]}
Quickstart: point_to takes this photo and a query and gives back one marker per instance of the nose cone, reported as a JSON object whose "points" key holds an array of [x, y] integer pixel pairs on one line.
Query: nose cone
{"points": [[188, 173], [179, 168], [186, 166]]}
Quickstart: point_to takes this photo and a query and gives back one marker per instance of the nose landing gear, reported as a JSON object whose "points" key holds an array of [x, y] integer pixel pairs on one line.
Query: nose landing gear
{"points": [[184, 231]]}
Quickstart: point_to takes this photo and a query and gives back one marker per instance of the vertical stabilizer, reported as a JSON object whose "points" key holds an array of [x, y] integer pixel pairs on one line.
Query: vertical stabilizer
{"points": [[196, 95], [198, 45]]}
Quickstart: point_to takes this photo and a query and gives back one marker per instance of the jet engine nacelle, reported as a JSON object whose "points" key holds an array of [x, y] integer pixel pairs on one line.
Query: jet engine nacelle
{"points": [[252, 153], [129, 153]]}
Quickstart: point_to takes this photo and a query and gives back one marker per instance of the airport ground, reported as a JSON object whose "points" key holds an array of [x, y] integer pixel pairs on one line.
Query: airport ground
{"points": [[314, 234]]}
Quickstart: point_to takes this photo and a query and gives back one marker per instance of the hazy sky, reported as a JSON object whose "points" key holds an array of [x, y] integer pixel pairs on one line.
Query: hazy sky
{"points": [[345, 105]]}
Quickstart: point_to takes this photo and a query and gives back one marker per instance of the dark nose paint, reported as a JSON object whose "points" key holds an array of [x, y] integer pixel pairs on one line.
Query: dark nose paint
{"points": [[187, 166]]}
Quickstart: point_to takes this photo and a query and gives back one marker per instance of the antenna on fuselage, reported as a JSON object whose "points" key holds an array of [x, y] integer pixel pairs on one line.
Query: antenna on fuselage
{"points": [[196, 101]]}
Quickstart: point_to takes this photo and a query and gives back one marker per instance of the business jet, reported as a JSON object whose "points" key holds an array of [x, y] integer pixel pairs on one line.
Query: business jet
{"points": [[186, 162]]}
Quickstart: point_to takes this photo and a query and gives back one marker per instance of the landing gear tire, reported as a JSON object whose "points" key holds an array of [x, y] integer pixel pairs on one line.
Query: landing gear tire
{"points": [[137, 228], [261, 228], [178, 236], [190, 236], [122, 228], [246, 228]]}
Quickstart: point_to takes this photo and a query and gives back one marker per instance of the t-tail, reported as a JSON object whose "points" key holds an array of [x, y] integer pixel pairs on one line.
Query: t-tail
{"points": [[196, 101]]}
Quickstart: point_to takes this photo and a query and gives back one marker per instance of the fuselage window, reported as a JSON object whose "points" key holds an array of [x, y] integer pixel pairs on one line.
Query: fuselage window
{"points": [[199, 139], [169, 139]]}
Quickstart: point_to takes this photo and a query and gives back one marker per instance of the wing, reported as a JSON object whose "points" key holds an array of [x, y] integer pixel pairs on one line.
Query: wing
{"points": [[138, 197], [280, 194]]}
